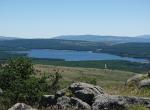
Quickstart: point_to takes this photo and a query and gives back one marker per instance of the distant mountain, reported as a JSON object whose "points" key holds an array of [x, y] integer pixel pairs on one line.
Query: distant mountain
{"points": [[144, 36], [99, 38], [6, 38]]}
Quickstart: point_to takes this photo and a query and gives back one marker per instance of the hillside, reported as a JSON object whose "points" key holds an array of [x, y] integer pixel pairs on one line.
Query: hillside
{"points": [[104, 78], [45, 87], [105, 38], [26, 44], [138, 50], [2, 38]]}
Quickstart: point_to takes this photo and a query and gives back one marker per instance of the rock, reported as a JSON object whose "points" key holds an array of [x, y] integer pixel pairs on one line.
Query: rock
{"points": [[136, 78], [21, 106], [111, 102], [1, 91], [137, 100], [144, 83], [79, 104], [47, 100], [61, 93], [85, 92], [85, 95], [64, 103], [108, 102]]}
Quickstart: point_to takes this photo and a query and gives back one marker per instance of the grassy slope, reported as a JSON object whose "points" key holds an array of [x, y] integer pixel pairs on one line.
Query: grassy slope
{"points": [[112, 64], [107, 79], [113, 81]]}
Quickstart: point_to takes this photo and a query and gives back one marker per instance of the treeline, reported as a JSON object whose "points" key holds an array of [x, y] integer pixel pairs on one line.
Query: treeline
{"points": [[6, 55], [26, 44], [137, 50], [111, 64]]}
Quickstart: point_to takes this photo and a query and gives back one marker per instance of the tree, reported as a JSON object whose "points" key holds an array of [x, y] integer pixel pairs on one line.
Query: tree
{"points": [[18, 82]]}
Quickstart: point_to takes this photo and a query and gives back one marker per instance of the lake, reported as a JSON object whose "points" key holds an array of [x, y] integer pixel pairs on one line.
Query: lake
{"points": [[71, 55]]}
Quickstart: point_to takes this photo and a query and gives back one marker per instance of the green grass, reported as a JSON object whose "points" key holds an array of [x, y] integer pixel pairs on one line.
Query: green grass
{"points": [[108, 79], [112, 64], [112, 81], [137, 107]]}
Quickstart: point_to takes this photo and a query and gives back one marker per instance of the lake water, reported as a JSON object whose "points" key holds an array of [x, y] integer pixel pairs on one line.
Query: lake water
{"points": [[70, 55]]}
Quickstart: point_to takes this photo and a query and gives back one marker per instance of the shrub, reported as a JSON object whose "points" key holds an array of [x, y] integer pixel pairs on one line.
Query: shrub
{"points": [[18, 82]]}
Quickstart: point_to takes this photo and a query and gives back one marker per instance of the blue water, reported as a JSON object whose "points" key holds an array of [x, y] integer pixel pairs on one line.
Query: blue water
{"points": [[70, 55]]}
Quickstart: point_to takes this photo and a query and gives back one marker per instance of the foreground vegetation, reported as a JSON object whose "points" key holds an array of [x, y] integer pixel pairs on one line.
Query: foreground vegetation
{"points": [[21, 81], [113, 81]]}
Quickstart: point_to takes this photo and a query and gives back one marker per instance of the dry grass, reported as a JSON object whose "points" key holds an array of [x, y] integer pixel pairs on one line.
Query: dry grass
{"points": [[113, 81]]}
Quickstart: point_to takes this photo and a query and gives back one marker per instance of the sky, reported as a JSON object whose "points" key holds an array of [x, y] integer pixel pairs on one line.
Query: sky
{"points": [[48, 18]]}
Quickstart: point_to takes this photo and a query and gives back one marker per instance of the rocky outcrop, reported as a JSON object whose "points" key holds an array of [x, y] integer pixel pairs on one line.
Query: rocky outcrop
{"points": [[83, 96], [136, 78], [1, 91], [72, 103], [61, 93], [108, 102], [85, 92], [47, 100], [63, 102], [21, 106], [77, 103], [111, 102], [144, 83]]}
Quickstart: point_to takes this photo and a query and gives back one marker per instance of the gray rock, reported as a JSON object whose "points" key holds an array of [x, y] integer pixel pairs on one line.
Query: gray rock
{"points": [[79, 104], [144, 83], [63, 102], [66, 103], [111, 102], [47, 100], [131, 100], [61, 93], [136, 78], [1, 91], [108, 102], [21, 106], [85, 92]]}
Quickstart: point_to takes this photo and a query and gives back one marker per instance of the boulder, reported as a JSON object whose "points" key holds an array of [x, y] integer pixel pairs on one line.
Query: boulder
{"points": [[108, 102], [66, 103], [144, 83], [136, 78], [61, 93], [85, 92], [21, 106], [111, 102], [79, 104], [1, 91], [63, 102], [47, 100], [131, 100]]}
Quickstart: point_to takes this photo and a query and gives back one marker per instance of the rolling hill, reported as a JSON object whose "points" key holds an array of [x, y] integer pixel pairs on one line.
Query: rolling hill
{"points": [[2, 38], [99, 38]]}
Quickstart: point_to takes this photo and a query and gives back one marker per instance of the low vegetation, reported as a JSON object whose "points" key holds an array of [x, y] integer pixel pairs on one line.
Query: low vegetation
{"points": [[19, 84], [21, 81], [111, 64]]}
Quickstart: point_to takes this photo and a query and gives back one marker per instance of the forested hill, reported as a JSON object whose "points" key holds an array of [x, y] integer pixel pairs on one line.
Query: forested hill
{"points": [[141, 50], [106, 38], [25, 44]]}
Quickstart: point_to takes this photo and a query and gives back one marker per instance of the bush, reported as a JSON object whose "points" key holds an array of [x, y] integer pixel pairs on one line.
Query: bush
{"points": [[19, 84]]}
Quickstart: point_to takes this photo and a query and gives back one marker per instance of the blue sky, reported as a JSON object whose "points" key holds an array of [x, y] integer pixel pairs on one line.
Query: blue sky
{"points": [[47, 18]]}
